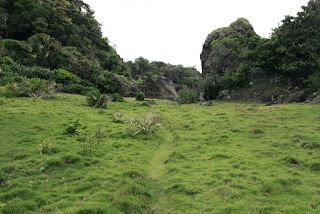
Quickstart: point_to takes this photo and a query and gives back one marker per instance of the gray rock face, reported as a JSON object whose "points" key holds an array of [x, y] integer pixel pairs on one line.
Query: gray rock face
{"points": [[210, 65], [159, 88]]}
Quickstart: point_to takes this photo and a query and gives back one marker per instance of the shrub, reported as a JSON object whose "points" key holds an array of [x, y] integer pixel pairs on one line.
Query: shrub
{"points": [[95, 99], [140, 96], [38, 88], [65, 77], [145, 122], [10, 77], [78, 89], [71, 126], [187, 96], [116, 98], [313, 81], [2, 100], [35, 88]]}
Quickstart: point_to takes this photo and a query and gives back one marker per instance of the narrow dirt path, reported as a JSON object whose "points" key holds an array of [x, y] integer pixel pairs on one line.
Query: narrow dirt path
{"points": [[156, 172]]}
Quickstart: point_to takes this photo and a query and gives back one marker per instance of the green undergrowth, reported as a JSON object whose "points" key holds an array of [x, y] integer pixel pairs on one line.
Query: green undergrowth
{"points": [[231, 157]]}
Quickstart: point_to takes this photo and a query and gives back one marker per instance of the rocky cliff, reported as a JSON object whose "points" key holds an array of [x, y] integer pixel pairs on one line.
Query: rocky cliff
{"points": [[215, 56], [155, 88]]}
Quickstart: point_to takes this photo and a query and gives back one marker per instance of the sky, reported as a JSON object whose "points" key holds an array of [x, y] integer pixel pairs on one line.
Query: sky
{"points": [[173, 31]]}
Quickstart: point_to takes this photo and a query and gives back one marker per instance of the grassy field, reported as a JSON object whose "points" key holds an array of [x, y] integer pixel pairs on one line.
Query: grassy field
{"points": [[232, 157]]}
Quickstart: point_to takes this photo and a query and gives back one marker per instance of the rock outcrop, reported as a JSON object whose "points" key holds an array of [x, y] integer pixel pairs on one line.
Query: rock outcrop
{"points": [[158, 88], [214, 58]]}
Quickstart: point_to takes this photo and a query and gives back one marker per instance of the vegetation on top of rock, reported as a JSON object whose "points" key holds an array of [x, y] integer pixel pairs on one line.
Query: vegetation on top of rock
{"points": [[234, 56], [141, 68]]}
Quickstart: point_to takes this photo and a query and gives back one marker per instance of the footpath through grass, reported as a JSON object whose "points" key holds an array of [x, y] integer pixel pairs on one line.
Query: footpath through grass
{"points": [[231, 157]]}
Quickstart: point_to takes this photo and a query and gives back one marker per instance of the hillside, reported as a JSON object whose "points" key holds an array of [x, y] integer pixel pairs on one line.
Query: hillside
{"points": [[231, 157]]}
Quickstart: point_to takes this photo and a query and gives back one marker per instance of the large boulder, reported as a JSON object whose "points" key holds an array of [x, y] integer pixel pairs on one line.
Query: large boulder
{"points": [[216, 57]]}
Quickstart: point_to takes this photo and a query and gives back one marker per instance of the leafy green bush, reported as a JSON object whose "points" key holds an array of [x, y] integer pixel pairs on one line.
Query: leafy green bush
{"points": [[2, 100], [65, 77], [10, 77], [145, 122], [313, 81], [116, 97], [187, 96], [71, 127], [140, 96], [16, 49], [95, 99], [78, 89]]}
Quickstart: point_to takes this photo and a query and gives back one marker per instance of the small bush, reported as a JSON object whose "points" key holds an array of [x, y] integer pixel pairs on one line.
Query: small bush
{"points": [[145, 122], [116, 98], [313, 81], [140, 96], [65, 77], [71, 126], [78, 89], [38, 88], [187, 96], [2, 100], [95, 99]]}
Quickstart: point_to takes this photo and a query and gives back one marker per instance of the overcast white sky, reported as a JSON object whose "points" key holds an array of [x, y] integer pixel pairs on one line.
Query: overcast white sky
{"points": [[173, 31]]}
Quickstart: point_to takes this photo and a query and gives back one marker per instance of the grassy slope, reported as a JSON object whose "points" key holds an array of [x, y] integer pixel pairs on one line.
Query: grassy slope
{"points": [[227, 158]]}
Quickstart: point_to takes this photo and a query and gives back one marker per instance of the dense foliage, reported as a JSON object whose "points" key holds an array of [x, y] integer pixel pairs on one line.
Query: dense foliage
{"points": [[140, 96], [292, 51], [142, 69], [61, 40]]}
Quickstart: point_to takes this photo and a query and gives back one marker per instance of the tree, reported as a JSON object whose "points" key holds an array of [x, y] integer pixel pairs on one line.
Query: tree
{"points": [[41, 46], [297, 42]]}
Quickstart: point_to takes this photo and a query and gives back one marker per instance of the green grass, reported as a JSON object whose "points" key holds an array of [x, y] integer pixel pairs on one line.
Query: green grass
{"points": [[227, 158]]}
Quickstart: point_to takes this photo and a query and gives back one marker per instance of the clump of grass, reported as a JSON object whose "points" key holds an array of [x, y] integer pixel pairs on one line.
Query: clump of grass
{"points": [[145, 104], [46, 145], [145, 122], [210, 103], [88, 143], [118, 117]]}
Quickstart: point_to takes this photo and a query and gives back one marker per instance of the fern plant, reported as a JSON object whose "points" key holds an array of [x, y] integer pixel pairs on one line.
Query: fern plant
{"points": [[95, 99], [35, 88], [71, 126]]}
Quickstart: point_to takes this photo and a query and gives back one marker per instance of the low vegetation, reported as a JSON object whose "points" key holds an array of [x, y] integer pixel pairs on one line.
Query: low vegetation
{"points": [[230, 157], [140, 96]]}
